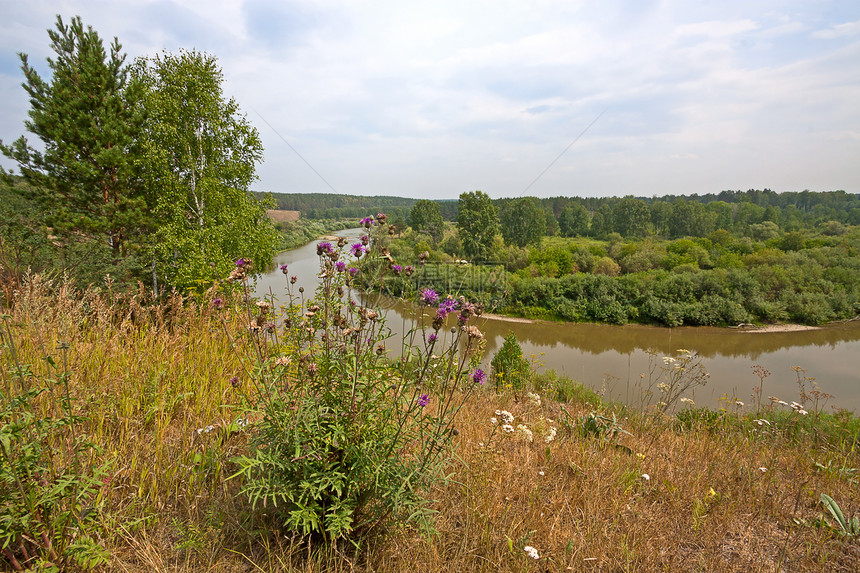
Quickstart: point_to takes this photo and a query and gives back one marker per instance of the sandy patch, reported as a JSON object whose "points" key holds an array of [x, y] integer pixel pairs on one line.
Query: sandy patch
{"points": [[490, 316], [775, 328]]}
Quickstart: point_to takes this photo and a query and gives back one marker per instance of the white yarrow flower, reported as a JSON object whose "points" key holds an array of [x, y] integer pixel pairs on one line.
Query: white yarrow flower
{"points": [[524, 433], [531, 552]]}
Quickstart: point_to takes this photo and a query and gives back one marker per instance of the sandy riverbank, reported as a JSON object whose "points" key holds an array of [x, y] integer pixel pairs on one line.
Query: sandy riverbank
{"points": [[776, 328], [751, 328]]}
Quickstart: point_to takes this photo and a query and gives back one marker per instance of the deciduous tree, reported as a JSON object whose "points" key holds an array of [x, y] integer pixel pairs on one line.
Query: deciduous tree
{"points": [[426, 216], [523, 222], [631, 217], [478, 223], [198, 155], [573, 220]]}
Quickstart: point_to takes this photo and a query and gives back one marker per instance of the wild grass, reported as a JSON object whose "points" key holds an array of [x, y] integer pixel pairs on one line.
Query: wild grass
{"points": [[694, 491]]}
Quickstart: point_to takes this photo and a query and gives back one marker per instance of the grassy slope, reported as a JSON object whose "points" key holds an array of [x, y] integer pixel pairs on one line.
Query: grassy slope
{"points": [[147, 379]]}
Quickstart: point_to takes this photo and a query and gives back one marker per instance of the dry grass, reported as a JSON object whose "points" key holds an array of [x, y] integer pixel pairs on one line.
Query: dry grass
{"points": [[147, 378], [282, 216]]}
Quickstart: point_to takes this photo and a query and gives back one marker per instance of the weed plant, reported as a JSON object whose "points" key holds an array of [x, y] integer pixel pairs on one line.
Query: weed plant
{"points": [[342, 443], [52, 475]]}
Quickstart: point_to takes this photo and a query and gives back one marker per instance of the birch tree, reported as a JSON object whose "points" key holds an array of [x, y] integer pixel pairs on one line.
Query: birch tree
{"points": [[197, 158]]}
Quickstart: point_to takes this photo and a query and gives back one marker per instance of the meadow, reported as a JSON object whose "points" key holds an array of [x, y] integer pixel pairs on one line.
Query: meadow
{"points": [[130, 429]]}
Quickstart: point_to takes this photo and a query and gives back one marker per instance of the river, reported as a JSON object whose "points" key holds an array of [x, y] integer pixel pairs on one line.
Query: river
{"points": [[609, 359]]}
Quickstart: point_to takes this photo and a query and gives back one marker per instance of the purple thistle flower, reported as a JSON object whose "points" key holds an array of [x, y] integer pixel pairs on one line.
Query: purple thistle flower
{"points": [[365, 240], [479, 376], [241, 263], [429, 296], [324, 247], [353, 271], [283, 269], [431, 339], [448, 305], [293, 279], [396, 269], [367, 222], [341, 266], [234, 381], [218, 303], [357, 250], [423, 400]]}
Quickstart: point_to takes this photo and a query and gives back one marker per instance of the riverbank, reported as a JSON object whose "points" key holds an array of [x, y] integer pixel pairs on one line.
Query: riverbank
{"points": [[776, 328], [299, 232], [750, 328], [159, 391]]}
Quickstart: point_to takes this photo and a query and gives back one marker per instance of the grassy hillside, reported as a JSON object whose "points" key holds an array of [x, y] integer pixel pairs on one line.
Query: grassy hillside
{"points": [[161, 393]]}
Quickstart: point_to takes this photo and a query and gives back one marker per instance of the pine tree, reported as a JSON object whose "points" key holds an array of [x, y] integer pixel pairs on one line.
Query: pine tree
{"points": [[86, 118]]}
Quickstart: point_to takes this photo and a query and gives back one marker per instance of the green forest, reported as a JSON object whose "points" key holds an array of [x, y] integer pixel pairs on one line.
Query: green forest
{"points": [[723, 260]]}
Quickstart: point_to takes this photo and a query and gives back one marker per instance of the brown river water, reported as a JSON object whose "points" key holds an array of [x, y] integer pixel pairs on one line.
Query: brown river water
{"points": [[610, 359]]}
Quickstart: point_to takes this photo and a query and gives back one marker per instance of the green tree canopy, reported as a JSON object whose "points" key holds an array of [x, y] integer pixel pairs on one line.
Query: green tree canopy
{"points": [[86, 118], [426, 217], [691, 219], [523, 221], [631, 217], [573, 220], [601, 222], [197, 159], [478, 223]]}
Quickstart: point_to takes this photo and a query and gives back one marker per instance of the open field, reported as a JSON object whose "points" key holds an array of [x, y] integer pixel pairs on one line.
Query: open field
{"points": [[282, 216]]}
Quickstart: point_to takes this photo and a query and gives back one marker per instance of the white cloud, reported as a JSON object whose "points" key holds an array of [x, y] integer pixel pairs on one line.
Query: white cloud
{"points": [[839, 31], [716, 28], [432, 99]]}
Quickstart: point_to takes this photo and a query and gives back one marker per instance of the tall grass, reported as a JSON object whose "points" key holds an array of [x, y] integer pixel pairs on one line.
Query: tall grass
{"points": [[697, 491]]}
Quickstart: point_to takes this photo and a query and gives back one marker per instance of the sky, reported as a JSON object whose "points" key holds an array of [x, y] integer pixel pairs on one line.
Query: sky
{"points": [[545, 98]]}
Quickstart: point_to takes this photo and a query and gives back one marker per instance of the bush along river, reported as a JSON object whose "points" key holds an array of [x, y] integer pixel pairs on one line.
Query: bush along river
{"points": [[620, 362]]}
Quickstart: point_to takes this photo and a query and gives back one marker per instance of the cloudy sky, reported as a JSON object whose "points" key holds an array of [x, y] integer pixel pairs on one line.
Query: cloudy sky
{"points": [[434, 98]]}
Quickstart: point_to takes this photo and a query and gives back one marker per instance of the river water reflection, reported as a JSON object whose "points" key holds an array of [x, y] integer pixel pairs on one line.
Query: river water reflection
{"points": [[611, 358]]}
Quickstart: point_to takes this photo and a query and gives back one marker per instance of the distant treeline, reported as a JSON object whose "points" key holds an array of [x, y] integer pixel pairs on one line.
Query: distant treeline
{"points": [[669, 215], [334, 206]]}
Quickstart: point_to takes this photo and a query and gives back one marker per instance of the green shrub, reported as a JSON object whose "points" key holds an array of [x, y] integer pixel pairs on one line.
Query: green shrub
{"points": [[564, 389], [509, 367], [607, 267]]}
